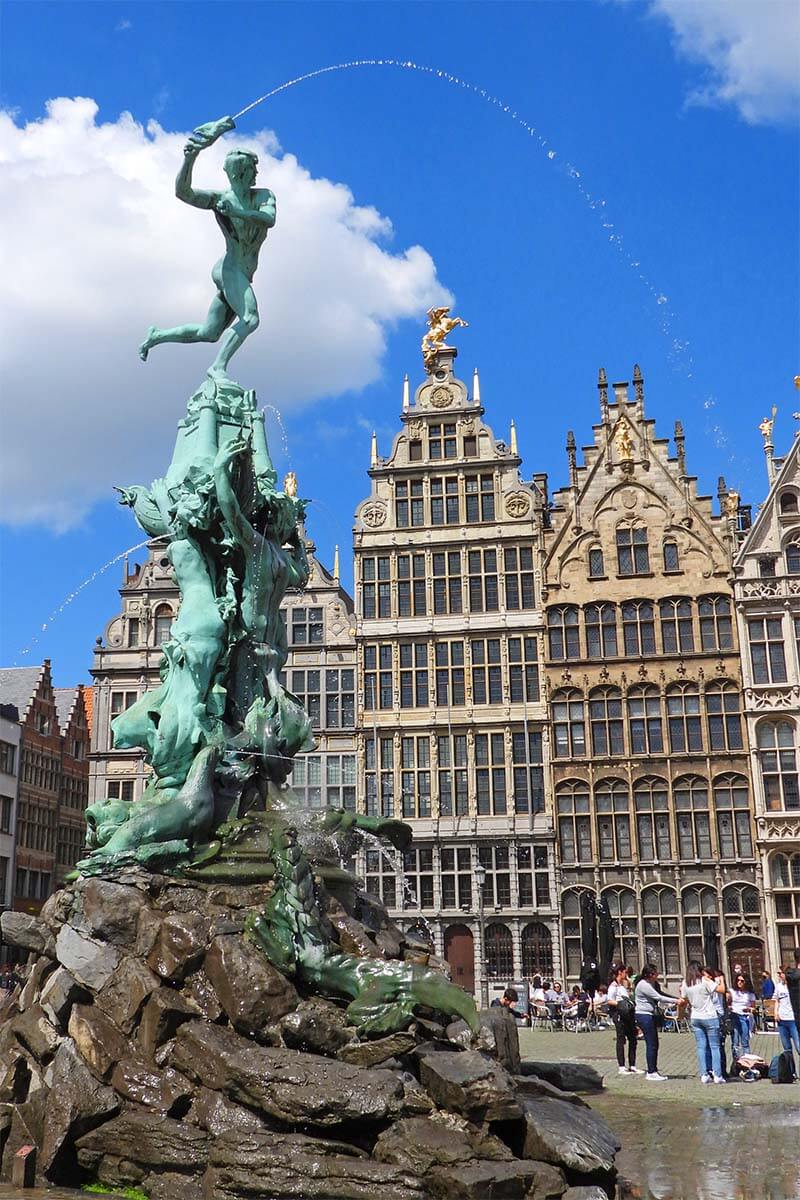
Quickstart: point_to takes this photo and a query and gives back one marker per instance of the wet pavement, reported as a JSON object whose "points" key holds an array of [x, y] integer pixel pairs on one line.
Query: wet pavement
{"points": [[684, 1140]]}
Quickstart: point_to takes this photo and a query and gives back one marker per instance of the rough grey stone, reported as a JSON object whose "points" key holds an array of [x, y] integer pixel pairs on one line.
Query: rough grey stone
{"points": [[123, 997], [37, 973], [111, 911], [470, 1083], [23, 931], [592, 1192], [148, 1140], [171, 1186], [253, 994], [529, 1085], [92, 963], [318, 1026], [97, 1039], [59, 992], [200, 991], [512, 1180], [568, 1136], [163, 1091], [180, 945], [421, 1143], [287, 1085], [370, 1054], [37, 1033], [165, 1011], [570, 1077], [264, 1166], [506, 1035], [214, 1112], [76, 1103]]}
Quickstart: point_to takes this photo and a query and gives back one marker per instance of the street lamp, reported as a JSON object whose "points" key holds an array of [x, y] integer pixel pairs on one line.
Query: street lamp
{"points": [[480, 879]]}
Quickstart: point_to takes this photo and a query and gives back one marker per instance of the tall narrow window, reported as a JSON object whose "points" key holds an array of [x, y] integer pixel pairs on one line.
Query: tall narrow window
{"points": [[523, 669], [409, 503], [479, 493], [487, 679], [677, 636], [644, 721], [413, 675], [605, 719], [638, 628], [411, 600], [133, 631], [442, 441], [776, 750], [562, 626], [415, 777], [596, 564], [518, 571], [482, 581], [734, 829], [671, 559], [612, 806], [574, 822], [453, 791], [724, 717], [601, 630], [449, 673], [162, 624], [447, 596], [490, 774], [716, 628], [683, 716], [691, 814], [793, 558], [306, 685], [652, 820], [766, 650], [569, 729], [632, 553], [526, 755], [660, 921], [444, 501]]}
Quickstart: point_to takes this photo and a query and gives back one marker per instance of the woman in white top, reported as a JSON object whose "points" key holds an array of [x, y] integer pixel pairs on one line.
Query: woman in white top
{"points": [[620, 1005], [742, 1003], [698, 989], [787, 1025]]}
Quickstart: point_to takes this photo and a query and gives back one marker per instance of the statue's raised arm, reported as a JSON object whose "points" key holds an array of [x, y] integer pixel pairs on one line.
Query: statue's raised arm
{"points": [[202, 137], [244, 214]]}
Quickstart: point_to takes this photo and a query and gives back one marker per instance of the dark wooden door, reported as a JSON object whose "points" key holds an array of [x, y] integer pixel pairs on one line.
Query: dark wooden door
{"points": [[748, 953], [460, 954]]}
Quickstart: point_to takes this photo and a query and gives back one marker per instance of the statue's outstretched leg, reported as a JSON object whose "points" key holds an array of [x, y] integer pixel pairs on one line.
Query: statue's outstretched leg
{"points": [[220, 315], [242, 299]]}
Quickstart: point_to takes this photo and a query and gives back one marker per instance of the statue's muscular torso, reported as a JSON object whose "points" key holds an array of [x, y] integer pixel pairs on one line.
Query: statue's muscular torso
{"points": [[243, 239]]}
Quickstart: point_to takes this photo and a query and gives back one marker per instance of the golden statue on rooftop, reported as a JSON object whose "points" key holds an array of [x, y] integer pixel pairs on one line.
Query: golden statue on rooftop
{"points": [[439, 325]]}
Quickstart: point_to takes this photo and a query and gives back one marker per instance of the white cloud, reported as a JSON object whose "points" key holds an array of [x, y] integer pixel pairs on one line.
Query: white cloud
{"points": [[750, 47], [97, 248]]}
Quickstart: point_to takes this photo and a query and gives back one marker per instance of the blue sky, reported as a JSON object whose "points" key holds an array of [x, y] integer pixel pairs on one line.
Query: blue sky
{"points": [[695, 156]]}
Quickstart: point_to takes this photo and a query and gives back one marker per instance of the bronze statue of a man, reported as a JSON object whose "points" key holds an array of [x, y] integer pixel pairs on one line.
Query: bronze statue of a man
{"points": [[245, 214]]}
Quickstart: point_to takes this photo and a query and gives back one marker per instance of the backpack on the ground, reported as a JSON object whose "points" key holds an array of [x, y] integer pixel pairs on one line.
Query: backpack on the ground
{"points": [[781, 1069]]}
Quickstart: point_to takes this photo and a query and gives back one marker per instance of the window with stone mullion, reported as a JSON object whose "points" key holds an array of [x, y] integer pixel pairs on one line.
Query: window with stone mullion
{"points": [[767, 655], [533, 876], [528, 772], [523, 669], [563, 633], [645, 724], [497, 885], [605, 720], [692, 819], [456, 876], [490, 774], [414, 691], [418, 872], [453, 774], [601, 630], [574, 823], [677, 634], [415, 777], [724, 717], [411, 587], [447, 587], [487, 671], [518, 577], [716, 626], [449, 657]]}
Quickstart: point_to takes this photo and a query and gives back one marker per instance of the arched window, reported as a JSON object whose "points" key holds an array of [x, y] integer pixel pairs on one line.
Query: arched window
{"points": [[644, 721], [651, 805], [723, 706], [698, 902], [694, 831], [499, 952], [605, 722], [574, 830], [732, 803], [571, 928], [683, 716], [793, 557], [785, 875], [596, 564], [660, 922], [638, 627], [612, 806], [716, 626], [788, 503], [162, 624], [569, 728], [601, 630], [677, 635], [537, 950], [624, 913], [740, 902], [671, 557], [776, 751], [562, 628]]}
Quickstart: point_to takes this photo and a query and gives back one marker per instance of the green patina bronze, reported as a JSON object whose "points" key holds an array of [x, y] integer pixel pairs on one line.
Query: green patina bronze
{"points": [[221, 731]]}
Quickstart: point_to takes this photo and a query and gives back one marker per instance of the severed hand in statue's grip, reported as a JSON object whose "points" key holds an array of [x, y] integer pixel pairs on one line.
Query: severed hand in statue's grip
{"points": [[205, 135]]}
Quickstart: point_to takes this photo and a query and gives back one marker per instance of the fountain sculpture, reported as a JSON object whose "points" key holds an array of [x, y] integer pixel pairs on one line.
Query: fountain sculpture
{"points": [[213, 1009]]}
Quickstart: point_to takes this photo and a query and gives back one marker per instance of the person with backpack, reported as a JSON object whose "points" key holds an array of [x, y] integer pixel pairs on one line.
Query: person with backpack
{"points": [[698, 989], [787, 1025], [620, 1006], [647, 1011]]}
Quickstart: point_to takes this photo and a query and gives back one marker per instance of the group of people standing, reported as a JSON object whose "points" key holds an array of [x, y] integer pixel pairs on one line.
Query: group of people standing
{"points": [[714, 1009]]}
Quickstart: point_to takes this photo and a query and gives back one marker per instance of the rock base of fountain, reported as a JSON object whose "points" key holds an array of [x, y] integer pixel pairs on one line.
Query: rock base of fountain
{"points": [[153, 1046]]}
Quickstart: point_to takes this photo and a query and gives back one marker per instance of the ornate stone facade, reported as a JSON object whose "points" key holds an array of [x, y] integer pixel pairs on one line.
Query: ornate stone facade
{"points": [[320, 669], [650, 771], [450, 709], [767, 591]]}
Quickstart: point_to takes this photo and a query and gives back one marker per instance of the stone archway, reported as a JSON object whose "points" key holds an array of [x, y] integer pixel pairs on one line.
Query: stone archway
{"points": [[459, 951]]}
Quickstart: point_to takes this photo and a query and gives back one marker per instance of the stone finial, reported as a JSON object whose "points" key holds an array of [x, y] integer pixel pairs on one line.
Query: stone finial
{"points": [[638, 383], [680, 446], [406, 394], [602, 387], [476, 387], [765, 429], [722, 489], [373, 450], [512, 441], [336, 559]]}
